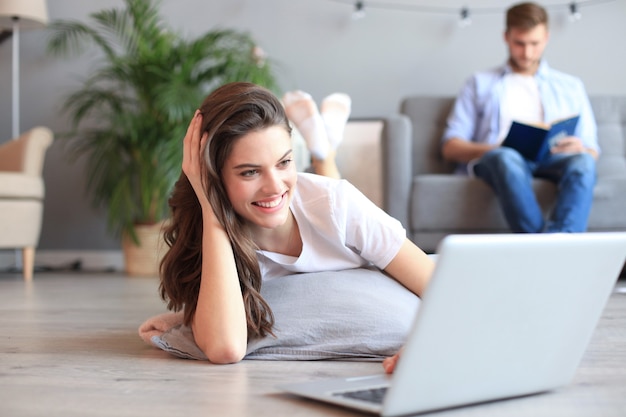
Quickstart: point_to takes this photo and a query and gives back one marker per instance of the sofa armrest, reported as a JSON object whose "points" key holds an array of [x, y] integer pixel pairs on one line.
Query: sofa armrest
{"points": [[397, 151], [26, 153]]}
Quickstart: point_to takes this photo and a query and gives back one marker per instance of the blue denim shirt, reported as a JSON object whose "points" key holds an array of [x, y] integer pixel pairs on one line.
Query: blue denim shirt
{"points": [[475, 116]]}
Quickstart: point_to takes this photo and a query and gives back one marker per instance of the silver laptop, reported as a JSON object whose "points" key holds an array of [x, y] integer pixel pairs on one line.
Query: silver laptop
{"points": [[503, 316]]}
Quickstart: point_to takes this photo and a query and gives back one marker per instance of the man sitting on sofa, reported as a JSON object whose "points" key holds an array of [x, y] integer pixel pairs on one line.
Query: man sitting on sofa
{"points": [[526, 89]]}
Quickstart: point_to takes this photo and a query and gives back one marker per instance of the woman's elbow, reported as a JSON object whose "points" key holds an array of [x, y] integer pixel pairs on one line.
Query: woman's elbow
{"points": [[225, 354], [221, 346]]}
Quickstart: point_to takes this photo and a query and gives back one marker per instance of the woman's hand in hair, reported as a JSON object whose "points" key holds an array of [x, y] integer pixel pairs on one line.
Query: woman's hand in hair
{"points": [[193, 144]]}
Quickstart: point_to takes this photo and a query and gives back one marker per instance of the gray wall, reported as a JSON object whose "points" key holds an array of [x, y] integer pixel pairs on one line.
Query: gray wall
{"points": [[318, 48]]}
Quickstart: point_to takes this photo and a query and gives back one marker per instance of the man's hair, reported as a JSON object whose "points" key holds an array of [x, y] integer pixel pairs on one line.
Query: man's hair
{"points": [[525, 16]]}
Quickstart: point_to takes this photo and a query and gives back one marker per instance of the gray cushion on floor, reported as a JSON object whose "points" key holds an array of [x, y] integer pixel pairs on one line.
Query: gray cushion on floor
{"points": [[357, 314]]}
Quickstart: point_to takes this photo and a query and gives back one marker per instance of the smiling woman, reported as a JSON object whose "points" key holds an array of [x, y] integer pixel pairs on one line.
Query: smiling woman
{"points": [[260, 178], [242, 215]]}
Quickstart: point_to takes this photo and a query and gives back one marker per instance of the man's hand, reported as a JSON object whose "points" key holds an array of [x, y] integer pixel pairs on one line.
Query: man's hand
{"points": [[571, 144]]}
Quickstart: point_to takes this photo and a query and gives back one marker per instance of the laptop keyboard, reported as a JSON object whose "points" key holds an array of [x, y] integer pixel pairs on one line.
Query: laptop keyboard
{"points": [[373, 395]]}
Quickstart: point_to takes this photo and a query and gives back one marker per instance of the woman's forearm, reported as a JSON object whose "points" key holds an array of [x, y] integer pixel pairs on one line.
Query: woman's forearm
{"points": [[219, 323]]}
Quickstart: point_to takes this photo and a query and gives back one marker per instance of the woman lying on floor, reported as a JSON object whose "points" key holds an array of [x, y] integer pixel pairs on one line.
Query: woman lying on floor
{"points": [[242, 214]]}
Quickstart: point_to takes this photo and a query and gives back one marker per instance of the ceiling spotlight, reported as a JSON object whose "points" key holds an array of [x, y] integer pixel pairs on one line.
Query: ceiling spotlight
{"points": [[574, 13], [465, 19], [359, 11]]}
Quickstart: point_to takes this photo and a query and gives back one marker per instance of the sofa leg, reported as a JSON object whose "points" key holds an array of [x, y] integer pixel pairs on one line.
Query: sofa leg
{"points": [[28, 263]]}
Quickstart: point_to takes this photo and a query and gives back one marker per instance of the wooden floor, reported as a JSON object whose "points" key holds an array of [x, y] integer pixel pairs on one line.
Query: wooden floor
{"points": [[69, 347]]}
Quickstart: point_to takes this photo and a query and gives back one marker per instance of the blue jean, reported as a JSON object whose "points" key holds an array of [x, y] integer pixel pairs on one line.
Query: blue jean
{"points": [[510, 176]]}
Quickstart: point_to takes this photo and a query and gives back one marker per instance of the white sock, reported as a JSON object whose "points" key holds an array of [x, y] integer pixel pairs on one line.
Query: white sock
{"points": [[335, 112], [302, 111]]}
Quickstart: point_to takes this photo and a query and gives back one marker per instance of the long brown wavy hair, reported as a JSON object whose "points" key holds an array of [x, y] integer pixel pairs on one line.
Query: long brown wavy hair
{"points": [[229, 113]]}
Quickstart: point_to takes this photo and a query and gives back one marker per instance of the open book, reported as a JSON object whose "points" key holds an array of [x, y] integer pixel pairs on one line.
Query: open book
{"points": [[534, 141]]}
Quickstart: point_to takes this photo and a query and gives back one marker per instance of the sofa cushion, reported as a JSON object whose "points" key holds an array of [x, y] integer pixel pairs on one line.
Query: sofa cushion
{"points": [[462, 204], [608, 211], [610, 114], [428, 119]]}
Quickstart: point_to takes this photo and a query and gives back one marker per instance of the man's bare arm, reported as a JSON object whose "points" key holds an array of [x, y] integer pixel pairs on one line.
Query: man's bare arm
{"points": [[458, 150]]}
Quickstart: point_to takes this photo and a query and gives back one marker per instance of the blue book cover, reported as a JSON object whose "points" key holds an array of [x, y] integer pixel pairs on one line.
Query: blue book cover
{"points": [[534, 142]]}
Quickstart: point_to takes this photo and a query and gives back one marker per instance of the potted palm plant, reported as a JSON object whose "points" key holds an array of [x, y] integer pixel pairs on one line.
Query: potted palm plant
{"points": [[130, 113]]}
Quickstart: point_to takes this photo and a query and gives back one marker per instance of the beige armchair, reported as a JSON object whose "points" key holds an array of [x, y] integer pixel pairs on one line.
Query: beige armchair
{"points": [[22, 193]]}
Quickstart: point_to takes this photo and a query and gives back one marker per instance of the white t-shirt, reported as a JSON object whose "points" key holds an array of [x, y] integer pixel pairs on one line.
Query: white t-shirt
{"points": [[340, 229], [520, 101]]}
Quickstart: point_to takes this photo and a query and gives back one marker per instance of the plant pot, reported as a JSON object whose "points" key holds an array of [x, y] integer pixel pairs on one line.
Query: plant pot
{"points": [[144, 259]]}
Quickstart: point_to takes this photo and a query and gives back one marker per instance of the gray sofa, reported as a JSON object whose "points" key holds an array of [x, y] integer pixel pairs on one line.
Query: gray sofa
{"points": [[420, 189]]}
